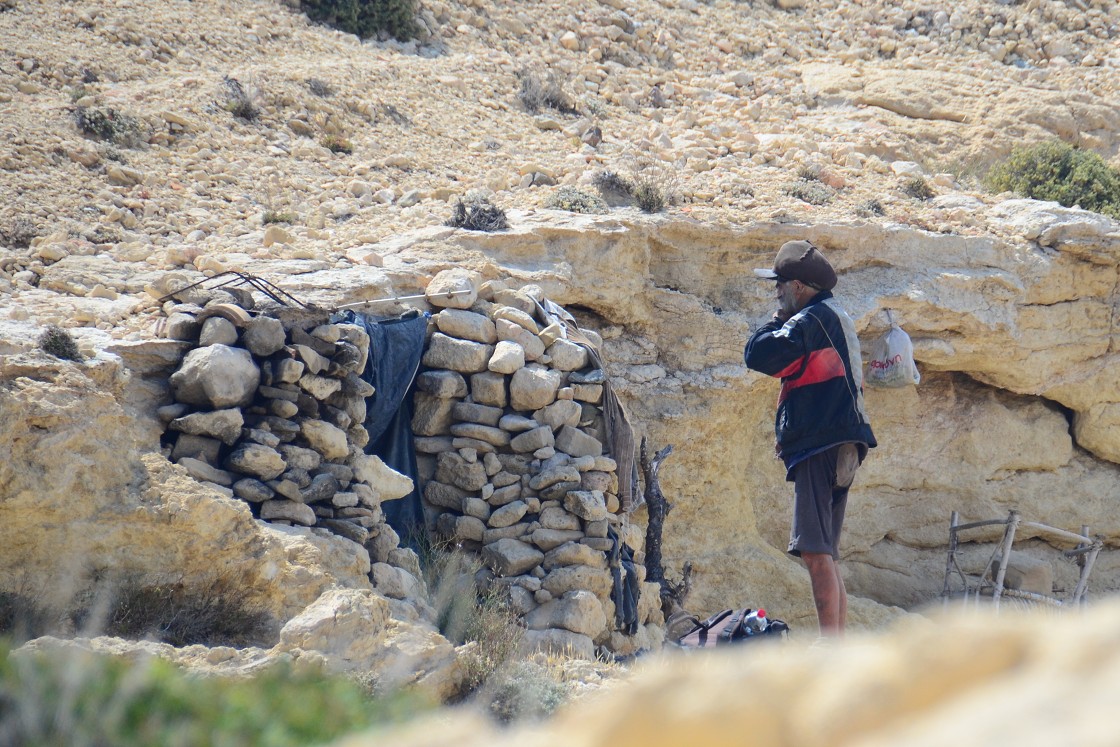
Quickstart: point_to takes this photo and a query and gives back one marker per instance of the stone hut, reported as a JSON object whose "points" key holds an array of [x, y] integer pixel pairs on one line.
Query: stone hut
{"points": [[515, 434]]}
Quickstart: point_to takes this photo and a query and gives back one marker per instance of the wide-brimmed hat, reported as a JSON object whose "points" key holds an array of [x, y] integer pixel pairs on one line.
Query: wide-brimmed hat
{"points": [[800, 260]]}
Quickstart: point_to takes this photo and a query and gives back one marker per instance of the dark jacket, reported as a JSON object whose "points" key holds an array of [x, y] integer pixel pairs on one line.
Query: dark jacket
{"points": [[816, 355]]}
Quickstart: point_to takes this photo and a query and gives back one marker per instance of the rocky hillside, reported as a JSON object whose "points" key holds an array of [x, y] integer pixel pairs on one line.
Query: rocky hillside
{"points": [[196, 137]]}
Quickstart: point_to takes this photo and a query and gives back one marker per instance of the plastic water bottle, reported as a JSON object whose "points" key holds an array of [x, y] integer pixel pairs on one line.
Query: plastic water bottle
{"points": [[756, 622]]}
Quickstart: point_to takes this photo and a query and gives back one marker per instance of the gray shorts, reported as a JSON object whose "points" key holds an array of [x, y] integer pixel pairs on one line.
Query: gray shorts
{"points": [[820, 497]]}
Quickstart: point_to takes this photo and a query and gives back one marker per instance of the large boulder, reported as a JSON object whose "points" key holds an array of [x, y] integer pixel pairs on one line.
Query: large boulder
{"points": [[215, 377]]}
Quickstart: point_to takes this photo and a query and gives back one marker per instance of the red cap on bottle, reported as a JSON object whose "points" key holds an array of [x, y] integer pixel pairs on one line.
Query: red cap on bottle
{"points": [[761, 612]]}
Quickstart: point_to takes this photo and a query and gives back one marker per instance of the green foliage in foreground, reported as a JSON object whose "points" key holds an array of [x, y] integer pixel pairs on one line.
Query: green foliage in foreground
{"points": [[70, 697], [1057, 171], [366, 18]]}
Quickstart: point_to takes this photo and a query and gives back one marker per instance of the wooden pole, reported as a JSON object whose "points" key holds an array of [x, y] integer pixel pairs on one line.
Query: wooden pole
{"points": [[1008, 539]]}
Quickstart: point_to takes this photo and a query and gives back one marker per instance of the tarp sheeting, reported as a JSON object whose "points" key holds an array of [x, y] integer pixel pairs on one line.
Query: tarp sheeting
{"points": [[396, 346]]}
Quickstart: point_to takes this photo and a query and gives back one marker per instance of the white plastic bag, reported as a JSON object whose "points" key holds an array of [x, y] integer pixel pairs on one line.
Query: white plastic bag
{"points": [[892, 360]]}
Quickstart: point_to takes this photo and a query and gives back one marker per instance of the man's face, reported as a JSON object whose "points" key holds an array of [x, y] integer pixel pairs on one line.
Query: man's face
{"points": [[786, 294]]}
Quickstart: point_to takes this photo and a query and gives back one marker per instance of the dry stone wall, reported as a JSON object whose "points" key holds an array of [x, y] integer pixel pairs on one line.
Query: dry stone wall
{"points": [[515, 465], [269, 407]]}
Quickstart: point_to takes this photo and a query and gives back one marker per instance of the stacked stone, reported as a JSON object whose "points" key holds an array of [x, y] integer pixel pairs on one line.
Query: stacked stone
{"points": [[272, 412], [512, 447]]}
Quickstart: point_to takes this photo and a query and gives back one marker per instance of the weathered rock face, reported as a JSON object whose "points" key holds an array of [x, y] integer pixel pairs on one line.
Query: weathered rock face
{"points": [[84, 491], [987, 430]]}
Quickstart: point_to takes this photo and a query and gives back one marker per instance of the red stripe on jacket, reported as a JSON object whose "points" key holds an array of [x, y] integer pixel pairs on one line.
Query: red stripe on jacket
{"points": [[823, 365]]}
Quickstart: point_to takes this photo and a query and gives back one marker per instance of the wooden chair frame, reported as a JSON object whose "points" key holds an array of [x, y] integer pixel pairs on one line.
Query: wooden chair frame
{"points": [[973, 586]]}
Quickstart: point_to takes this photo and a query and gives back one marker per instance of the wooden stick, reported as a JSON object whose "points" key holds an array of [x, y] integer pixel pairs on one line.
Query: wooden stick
{"points": [[1008, 539]]}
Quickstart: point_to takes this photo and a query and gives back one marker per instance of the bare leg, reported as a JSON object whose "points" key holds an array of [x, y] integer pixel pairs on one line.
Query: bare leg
{"points": [[829, 593]]}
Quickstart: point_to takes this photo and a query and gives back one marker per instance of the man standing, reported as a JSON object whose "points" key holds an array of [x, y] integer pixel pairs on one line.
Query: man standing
{"points": [[821, 425]]}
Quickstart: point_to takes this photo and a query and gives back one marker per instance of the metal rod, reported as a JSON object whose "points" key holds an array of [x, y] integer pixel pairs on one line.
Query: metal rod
{"points": [[277, 294], [447, 294], [953, 517], [977, 524]]}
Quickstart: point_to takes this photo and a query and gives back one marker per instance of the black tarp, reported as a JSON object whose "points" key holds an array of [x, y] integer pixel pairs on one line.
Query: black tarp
{"points": [[396, 346]]}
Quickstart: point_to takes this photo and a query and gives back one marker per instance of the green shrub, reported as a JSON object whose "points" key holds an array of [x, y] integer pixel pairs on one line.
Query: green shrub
{"points": [[918, 188], [1057, 171], [276, 216], [575, 201], [478, 214], [109, 125], [366, 18], [337, 144], [59, 343], [73, 697]]}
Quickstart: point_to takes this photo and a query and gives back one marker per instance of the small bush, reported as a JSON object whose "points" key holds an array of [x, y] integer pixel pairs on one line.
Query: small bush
{"points": [[525, 690], [23, 617], [918, 188], [240, 102], [273, 216], [575, 201], [812, 192], [869, 208], [337, 144], [614, 188], [809, 173], [69, 696], [650, 196], [109, 125], [478, 215], [212, 613], [59, 343], [319, 88], [1057, 171], [464, 615], [537, 93], [366, 18], [18, 234]]}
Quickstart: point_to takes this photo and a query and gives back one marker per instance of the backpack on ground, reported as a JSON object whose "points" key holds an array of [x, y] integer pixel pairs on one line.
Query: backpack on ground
{"points": [[722, 628]]}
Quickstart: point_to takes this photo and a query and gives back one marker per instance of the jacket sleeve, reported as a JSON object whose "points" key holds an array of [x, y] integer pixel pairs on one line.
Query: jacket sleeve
{"points": [[777, 349]]}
